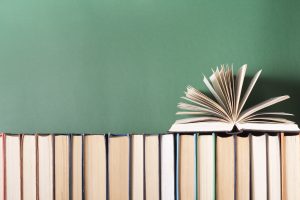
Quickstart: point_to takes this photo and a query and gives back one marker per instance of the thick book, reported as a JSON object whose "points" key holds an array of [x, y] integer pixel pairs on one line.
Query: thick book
{"points": [[258, 167], [13, 167], [46, 167], [152, 183], [224, 110], [29, 167], [118, 167], [274, 167], [62, 166], [77, 158], [95, 167], [167, 167], [187, 166], [225, 180], [137, 167], [2, 166], [290, 166], [243, 167], [206, 166]]}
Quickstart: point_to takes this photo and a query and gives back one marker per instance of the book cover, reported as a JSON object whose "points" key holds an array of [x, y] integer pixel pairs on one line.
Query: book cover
{"points": [[206, 166], [225, 167], [13, 167], [186, 166], [118, 167], [274, 176], [29, 167], [62, 165], [46, 167], [2, 166], [137, 167], [95, 167], [167, 167], [152, 183], [258, 167], [77, 185], [243, 167], [290, 166]]}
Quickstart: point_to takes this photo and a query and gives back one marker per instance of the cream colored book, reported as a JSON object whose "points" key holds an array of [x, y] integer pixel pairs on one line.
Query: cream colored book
{"points": [[137, 169], [243, 167], [29, 173], [274, 165], [187, 163], [46, 167], [291, 167], [224, 109], [2, 165], [95, 167], [152, 167], [258, 167], [13, 167], [206, 166], [118, 167], [167, 167], [77, 167], [62, 167], [225, 167]]}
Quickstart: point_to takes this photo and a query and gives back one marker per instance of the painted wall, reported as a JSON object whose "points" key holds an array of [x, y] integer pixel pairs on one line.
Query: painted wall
{"points": [[121, 66]]}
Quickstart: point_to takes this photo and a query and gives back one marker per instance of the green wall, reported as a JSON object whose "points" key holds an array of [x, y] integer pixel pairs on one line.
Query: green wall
{"points": [[120, 66]]}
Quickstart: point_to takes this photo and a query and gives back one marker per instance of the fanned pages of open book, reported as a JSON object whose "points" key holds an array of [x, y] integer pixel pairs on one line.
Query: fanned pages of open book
{"points": [[224, 112]]}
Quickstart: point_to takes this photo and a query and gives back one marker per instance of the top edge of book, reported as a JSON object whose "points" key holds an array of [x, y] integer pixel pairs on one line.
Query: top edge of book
{"points": [[228, 127]]}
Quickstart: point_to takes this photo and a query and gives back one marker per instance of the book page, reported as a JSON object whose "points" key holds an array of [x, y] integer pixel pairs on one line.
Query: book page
{"points": [[239, 84], [262, 105], [248, 91]]}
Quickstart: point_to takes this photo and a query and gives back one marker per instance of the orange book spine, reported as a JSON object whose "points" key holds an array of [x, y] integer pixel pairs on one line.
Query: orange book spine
{"points": [[283, 164]]}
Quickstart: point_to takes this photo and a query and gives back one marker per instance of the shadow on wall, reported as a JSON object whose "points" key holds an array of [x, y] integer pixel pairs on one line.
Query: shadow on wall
{"points": [[267, 87]]}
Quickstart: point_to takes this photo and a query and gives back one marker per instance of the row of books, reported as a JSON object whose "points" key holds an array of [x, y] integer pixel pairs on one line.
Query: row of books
{"points": [[153, 167]]}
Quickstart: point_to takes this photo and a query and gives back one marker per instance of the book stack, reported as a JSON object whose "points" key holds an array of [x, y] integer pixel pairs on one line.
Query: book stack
{"points": [[165, 166]]}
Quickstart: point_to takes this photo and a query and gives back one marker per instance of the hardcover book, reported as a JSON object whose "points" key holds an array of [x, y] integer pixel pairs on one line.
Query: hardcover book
{"points": [[29, 169], [13, 167], [46, 167], [95, 167], [137, 167], [225, 111], [77, 158], [118, 167], [152, 167]]}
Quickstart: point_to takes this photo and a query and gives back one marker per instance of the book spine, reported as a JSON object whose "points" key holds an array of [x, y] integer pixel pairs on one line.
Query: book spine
{"points": [[70, 155], [130, 166], [177, 165], [196, 165], [83, 165], [214, 166]]}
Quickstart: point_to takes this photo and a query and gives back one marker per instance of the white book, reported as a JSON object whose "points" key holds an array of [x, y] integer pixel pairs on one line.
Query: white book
{"points": [[167, 167], [13, 167], [1, 166], [274, 173], [206, 167], [259, 167], [137, 169], [46, 167], [29, 167], [291, 158], [224, 110]]}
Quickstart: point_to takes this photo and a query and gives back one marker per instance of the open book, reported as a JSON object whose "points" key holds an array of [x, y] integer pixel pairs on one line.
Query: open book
{"points": [[225, 112]]}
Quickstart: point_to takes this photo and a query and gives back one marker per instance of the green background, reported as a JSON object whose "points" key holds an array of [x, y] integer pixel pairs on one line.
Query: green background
{"points": [[121, 66]]}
